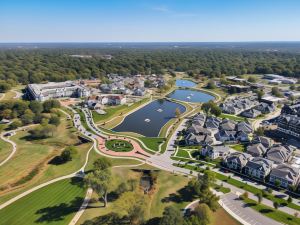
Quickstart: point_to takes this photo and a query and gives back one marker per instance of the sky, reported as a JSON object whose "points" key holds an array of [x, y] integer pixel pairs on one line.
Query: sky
{"points": [[149, 20]]}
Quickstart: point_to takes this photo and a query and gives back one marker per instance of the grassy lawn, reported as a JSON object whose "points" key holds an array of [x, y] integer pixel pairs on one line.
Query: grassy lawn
{"points": [[53, 204], [5, 150], [182, 153], [238, 147], [152, 143], [115, 111], [115, 161], [29, 166], [9, 95], [169, 190], [118, 145], [163, 131], [232, 117], [273, 213]]}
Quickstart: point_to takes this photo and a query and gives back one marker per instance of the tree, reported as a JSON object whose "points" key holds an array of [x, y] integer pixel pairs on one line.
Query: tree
{"points": [[36, 107], [277, 183], [245, 195], [27, 117], [260, 94], [203, 213], [15, 124], [252, 79], [276, 205], [102, 163], [66, 155], [133, 206], [177, 112], [211, 84], [42, 131], [50, 104], [216, 110], [289, 200], [4, 87], [259, 197], [275, 91], [55, 120], [293, 87], [6, 113], [171, 216], [100, 181], [260, 131], [205, 107]]}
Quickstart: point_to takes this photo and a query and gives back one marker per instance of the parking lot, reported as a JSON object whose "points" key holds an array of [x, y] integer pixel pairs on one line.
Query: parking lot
{"points": [[244, 212]]}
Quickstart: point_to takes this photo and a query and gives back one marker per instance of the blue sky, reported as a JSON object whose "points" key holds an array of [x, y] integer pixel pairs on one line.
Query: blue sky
{"points": [[149, 20]]}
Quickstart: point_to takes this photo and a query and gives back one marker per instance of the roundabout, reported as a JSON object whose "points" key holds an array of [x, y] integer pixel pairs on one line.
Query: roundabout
{"points": [[118, 145]]}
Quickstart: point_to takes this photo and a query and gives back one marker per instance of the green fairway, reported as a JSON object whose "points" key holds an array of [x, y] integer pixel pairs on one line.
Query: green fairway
{"points": [[118, 145], [54, 204]]}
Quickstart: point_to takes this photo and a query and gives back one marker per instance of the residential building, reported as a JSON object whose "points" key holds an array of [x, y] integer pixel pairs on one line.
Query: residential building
{"points": [[256, 150], [286, 175], [258, 168], [195, 139], [265, 108], [291, 109], [251, 113], [289, 124], [236, 160], [265, 141], [279, 154], [214, 152]]}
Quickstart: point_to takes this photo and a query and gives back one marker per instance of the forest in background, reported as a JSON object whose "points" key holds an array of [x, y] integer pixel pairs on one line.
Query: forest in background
{"points": [[39, 65]]}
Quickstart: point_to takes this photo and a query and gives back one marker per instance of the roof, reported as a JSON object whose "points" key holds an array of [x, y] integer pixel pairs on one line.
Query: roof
{"points": [[238, 157], [259, 163], [256, 149], [286, 172], [279, 153]]}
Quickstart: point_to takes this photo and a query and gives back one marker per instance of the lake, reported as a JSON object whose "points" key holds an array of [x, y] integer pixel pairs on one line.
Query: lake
{"points": [[185, 83], [189, 95], [150, 119]]}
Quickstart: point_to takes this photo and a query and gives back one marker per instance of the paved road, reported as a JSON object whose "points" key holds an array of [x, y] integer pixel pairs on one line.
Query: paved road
{"points": [[256, 123]]}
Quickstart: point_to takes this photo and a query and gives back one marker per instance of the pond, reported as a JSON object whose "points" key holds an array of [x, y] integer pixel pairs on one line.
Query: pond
{"points": [[150, 119], [185, 83], [189, 95]]}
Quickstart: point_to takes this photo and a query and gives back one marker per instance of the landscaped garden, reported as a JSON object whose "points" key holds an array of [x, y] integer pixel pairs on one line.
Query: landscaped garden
{"points": [[53, 204], [118, 145]]}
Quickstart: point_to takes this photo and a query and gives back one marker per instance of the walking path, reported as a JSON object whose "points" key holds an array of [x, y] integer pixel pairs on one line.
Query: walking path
{"points": [[82, 207], [14, 145]]}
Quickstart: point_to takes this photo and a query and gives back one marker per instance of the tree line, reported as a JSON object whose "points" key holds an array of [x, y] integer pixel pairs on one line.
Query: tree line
{"points": [[35, 66], [23, 113]]}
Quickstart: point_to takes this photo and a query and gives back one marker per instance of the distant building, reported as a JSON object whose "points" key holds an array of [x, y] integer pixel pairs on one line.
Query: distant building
{"points": [[42, 92], [289, 124]]}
